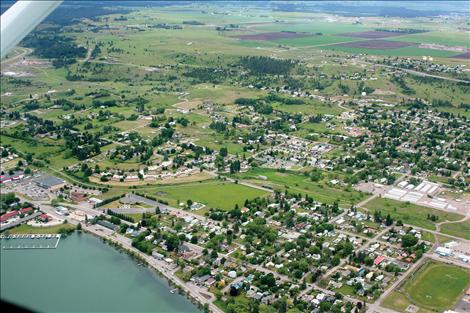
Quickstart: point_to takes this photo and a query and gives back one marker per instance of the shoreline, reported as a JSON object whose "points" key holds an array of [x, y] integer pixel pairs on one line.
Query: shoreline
{"points": [[204, 306]]}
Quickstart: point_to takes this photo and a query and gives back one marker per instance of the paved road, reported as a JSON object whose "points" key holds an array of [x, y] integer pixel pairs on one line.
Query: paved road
{"points": [[20, 221], [160, 266], [15, 58]]}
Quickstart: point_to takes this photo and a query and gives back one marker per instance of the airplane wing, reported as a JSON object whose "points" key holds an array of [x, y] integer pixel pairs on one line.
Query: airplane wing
{"points": [[19, 20]]}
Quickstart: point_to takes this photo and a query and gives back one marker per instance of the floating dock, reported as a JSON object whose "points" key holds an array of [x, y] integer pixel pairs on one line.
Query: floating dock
{"points": [[30, 241]]}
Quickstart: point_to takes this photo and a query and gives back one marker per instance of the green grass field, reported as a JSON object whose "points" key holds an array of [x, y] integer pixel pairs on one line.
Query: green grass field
{"points": [[27, 229], [440, 38], [457, 229], [315, 40], [316, 27], [212, 194], [410, 213], [299, 183], [425, 288]]}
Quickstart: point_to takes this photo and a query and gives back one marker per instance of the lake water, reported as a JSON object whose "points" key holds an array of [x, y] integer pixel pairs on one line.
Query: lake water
{"points": [[85, 275]]}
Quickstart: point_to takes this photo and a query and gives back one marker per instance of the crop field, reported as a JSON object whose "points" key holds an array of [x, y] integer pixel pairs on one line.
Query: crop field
{"points": [[377, 44], [410, 213], [465, 55], [273, 36], [372, 34], [403, 51], [447, 38], [324, 27], [315, 40]]}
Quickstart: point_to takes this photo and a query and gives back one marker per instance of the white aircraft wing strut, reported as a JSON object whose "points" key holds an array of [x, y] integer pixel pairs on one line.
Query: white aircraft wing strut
{"points": [[20, 19]]}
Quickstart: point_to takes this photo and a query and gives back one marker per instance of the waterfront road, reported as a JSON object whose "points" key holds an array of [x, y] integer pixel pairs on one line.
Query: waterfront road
{"points": [[20, 221]]}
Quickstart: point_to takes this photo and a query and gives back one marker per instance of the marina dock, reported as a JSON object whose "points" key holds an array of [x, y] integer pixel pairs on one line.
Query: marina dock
{"points": [[30, 241]]}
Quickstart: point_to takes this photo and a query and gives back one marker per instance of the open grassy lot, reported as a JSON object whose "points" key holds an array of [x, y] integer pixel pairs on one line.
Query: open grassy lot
{"points": [[425, 287], [457, 229], [398, 302], [27, 229], [299, 183], [212, 194], [410, 213]]}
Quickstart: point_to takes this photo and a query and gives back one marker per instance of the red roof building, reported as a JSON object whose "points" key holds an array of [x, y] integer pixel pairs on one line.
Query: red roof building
{"points": [[77, 196], [26, 210], [44, 217], [8, 216], [379, 260]]}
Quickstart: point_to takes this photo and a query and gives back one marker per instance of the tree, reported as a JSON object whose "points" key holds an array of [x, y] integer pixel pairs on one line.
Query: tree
{"points": [[223, 152], [408, 240], [172, 242]]}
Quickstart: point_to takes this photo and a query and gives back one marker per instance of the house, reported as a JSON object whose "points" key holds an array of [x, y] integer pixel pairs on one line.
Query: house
{"points": [[27, 210], [77, 196], [17, 175], [5, 217], [95, 201], [157, 255], [44, 218], [201, 279], [379, 260]]}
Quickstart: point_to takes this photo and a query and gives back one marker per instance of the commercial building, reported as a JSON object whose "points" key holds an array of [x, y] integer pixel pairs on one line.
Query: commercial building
{"points": [[50, 182]]}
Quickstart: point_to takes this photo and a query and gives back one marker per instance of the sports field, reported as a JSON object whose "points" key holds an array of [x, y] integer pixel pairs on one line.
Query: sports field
{"points": [[437, 286], [212, 194]]}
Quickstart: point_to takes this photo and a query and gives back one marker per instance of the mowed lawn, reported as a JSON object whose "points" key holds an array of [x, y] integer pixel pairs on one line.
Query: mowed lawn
{"points": [[457, 229], [212, 194], [28, 229], [410, 213], [298, 183], [438, 286]]}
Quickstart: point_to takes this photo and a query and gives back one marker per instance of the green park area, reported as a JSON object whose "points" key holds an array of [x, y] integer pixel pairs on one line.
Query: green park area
{"points": [[435, 287], [212, 194], [296, 182], [461, 229], [409, 213], [28, 229]]}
